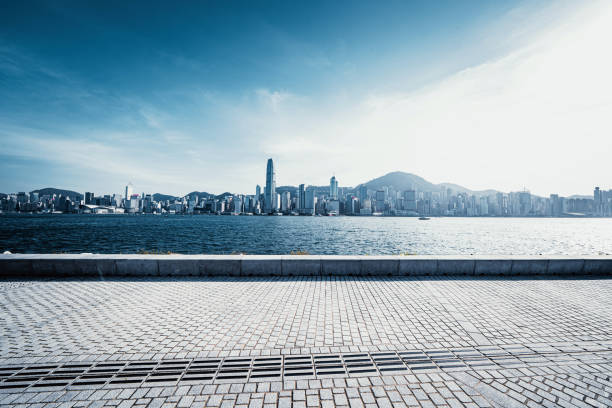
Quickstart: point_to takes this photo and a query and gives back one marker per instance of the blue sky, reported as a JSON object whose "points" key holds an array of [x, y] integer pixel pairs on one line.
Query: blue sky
{"points": [[197, 96]]}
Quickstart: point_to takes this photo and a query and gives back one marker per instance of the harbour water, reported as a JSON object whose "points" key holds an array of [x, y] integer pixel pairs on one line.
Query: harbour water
{"points": [[202, 234]]}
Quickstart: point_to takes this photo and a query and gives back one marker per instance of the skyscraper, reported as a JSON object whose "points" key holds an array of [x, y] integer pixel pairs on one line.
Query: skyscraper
{"points": [[286, 201], [129, 189], [597, 202], [301, 197], [333, 188], [381, 198], [270, 196], [257, 192], [311, 201], [410, 200]]}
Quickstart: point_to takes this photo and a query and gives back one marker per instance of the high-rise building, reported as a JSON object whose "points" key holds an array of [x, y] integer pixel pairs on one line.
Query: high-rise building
{"points": [[286, 201], [333, 207], [410, 200], [524, 203], [597, 202], [363, 195], [333, 188], [311, 201], [237, 204], [301, 197], [270, 196], [129, 189], [381, 198], [89, 197], [23, 197], [257, 192], [484, 206], [352, 205], [556, 205]]}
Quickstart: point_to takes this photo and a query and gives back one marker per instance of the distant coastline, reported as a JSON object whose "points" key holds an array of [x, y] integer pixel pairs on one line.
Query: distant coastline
{"points": [[395, 194]]}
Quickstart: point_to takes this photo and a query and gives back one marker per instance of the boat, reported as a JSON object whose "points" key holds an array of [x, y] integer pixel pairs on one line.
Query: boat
{"points": [[423, 218]]}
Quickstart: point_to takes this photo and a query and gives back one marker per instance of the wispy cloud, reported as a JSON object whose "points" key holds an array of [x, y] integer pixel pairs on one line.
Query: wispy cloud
{"points": [[542, 105], [272, 99], [545, 105]]}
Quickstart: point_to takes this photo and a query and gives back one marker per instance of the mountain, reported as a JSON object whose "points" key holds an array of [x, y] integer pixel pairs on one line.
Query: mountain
{"points": [[221, 196], [407, 181], [200, 194], [460, 189], [58, 191], [163, 197], [401, 181]]}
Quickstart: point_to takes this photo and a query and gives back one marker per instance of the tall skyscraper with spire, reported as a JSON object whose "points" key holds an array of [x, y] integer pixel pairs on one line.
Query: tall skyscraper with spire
{"points": [[333, 188], [129, 189], [270, 196]]}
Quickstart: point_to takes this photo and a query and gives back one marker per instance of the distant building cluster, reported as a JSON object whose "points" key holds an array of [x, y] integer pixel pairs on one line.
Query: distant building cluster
{"points": [[318, 200], [388, 201]]}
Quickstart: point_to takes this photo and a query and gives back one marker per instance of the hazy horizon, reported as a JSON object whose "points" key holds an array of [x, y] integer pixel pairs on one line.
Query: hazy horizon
{"points": [[218, 193], [175, 98]]}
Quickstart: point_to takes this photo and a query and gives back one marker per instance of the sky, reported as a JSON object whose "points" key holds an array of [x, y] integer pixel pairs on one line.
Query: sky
{"points": [[183, 96]]}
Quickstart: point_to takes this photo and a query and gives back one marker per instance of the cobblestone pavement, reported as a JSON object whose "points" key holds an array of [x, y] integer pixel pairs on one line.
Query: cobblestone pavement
{"points": [[307, 342]]}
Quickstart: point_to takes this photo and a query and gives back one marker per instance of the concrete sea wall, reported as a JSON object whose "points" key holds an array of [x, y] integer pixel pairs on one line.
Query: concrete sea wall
{"points": [[28, 266]]}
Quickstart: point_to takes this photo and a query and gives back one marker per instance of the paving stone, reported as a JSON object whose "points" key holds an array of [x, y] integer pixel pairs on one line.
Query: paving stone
{"points": [[537, 342]]}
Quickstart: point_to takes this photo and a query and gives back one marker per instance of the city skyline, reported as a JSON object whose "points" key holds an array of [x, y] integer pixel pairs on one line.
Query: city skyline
{"points": [[497, 94], [123, 190], [395, 194]]}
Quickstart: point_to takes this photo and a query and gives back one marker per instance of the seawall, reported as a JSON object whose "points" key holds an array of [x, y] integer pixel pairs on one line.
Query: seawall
{"points": [[34, 266]]}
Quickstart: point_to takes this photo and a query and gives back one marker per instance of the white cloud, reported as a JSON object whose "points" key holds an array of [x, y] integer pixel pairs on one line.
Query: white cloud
{"points": [[272, 99], [538, 117]]}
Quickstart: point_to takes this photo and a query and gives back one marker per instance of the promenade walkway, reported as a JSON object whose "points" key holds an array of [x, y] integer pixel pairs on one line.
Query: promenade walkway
{"points": [[306, 342]]}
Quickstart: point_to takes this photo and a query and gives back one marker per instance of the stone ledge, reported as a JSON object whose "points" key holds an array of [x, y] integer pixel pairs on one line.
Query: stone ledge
{"points": [[17, 266]]}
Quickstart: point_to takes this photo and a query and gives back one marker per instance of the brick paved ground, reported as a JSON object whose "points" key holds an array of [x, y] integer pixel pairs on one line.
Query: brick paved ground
{"points": [[306, 342]]}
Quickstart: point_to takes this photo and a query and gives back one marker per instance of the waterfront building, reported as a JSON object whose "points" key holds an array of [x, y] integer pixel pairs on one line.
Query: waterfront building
{"points": [[23, 197], [410, 200], [556, 207], [192, 202], [524, 203], [484, 206], [363, 194], [237, 205], [129, 190], [333, 188], [132, 204], [353, 205], [597, 202], [148, 204], [270, 199], [89, 197], [310, 202], [607, 203], [286, 201], [380, 201], [332, 207], [301, 197]]}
